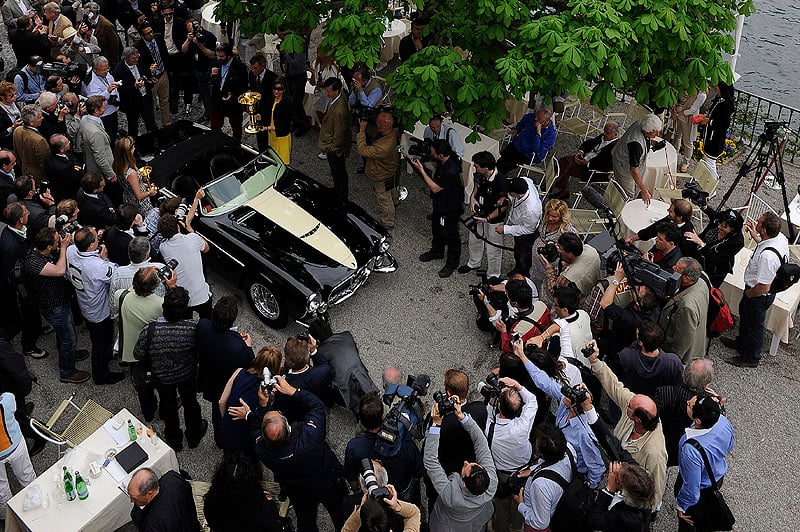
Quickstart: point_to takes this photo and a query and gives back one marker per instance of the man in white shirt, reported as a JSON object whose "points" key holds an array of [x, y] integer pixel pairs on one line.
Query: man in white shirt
{"points": [[524, 217], [187, 249], [101, 83], [772, 250], [135, 93], [508, 433]]}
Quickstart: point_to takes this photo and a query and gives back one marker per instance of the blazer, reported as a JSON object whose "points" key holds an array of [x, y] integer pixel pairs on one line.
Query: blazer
{"points": [[95, 144], [63, 24], [282, 119], [98, 212], [129, 96], [107, 40], [683, 320], [219, 354], [602, 161], [620, 518], [6, 189], [6, 138], [26, 43], [64, 179], [31, 148], [11, 12], [235, 84], [264, 88], [146, 57], [335, 132]]}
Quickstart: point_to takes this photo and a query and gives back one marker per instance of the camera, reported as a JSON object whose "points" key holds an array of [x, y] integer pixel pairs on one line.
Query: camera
{"points": [[421, 149], [548, 251], [197, 29], [371, 483], [491, 386], [303, 336], [44, 185], [113, 100], [404, 417], [587, 351], [268, 382], [182, 211], [575, 394], [695, 193], [166, 271], [483, 285], [663, 283], [64, 226], [446, 404], [660, 145], [66, 71]]}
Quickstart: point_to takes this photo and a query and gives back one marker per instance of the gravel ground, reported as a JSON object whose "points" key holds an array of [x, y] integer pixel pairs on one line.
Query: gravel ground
{"points": [[422, 323]]}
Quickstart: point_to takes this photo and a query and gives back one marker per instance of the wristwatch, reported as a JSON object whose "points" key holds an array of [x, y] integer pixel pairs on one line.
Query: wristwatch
{"points": [[614, 282]]}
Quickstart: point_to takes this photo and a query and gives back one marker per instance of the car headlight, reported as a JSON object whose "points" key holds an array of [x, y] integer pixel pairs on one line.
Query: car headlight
{"points": [[384, 244], [315, 304]]}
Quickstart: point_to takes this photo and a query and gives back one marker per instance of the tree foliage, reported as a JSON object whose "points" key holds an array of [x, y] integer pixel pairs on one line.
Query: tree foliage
{"points": [[653, 49]]}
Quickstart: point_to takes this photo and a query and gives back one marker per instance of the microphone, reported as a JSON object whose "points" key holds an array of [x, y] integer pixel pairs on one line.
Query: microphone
{"points": [[596, 200]]}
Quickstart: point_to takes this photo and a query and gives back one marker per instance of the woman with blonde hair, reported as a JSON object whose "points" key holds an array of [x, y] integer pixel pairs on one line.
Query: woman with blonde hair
{"points": [[134, 190], [233, 434], [10, 116], [555, 222]]}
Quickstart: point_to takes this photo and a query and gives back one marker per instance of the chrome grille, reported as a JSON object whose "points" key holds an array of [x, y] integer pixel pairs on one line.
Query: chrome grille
{"points": [[349, 286]]}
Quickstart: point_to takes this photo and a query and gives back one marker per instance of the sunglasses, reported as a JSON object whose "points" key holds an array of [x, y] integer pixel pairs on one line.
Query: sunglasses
{"points": [[279, 89]]}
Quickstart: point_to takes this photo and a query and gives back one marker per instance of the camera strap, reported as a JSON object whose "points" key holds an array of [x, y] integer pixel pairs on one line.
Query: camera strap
{"points": [[490, 435], [473, 228]]}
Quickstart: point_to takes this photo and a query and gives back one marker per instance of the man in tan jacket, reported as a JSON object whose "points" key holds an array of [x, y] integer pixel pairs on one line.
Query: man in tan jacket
{"points": [[29, 144], [382, 163], [335, 134], [56, 27]]}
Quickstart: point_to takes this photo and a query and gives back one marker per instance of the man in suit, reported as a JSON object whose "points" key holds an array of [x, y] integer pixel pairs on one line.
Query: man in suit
{"points": [[104, 32], [153, 52], [28, 40], [228, 78], [93, 141], [29, 144], [53, 115], [62, 169], [261, 80], [179, 70], [56, 26], [12, 10], [7, 163], [135, 99], [335, 134], [593, 154], [129, 224], [94, 206]]}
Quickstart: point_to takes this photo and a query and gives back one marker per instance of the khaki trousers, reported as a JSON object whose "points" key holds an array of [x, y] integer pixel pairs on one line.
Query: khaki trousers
{"points": [[386, 200], [161, 98]]}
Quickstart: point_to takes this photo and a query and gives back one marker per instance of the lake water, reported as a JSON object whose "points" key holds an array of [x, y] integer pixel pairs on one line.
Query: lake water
{"points": [[769, 60]]}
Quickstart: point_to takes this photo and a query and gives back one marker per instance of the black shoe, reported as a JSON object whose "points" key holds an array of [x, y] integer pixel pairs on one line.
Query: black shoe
{"points": [[112, 377], [47, 329], [203, 430], [430, 255], [29, 408], [446, 271], [77, 377], [149, 417], [37, 353], [466, 268], [81, 355], [730, 343], [741, 362], [37, 447]]}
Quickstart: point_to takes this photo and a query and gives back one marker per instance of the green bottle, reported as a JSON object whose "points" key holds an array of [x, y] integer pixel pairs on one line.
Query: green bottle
{"points": [[80, 485], [68, 486], [131, 431]]}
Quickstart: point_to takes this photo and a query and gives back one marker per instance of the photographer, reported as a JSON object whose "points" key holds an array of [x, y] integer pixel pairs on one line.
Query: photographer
{"points": [[447, 197], [95, 208], [298, 455], [187, 249], [679, 213], [512, 413], [199, 48], [73, 118], [579, 265], [129, 224], [575, 415], [524, 216], [37, 200], [135, 94], [572, 325], [373, 512], [138, 257], [634, 485], [526, 320], [485, 202], [496, 305], [404, 469], [101, 83], [81, 48], [465, 497], [62, 169], [52, 115], [665, 252], [639, 430], [381, 164]]}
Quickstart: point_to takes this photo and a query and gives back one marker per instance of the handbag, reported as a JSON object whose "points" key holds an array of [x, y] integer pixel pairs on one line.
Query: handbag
{"points": [[714, 513]]}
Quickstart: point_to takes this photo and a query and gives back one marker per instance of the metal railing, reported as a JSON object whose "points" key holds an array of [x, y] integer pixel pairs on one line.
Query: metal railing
{"points": [[752, 111]]}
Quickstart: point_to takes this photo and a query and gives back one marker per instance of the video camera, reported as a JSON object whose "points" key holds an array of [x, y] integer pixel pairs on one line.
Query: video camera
{"points": [[421, 149], [643, 272], [405, 416], [64, 226], [491, 387], [695, 193], [771, 129], [66, 71], [371, 483], [370, 114]]}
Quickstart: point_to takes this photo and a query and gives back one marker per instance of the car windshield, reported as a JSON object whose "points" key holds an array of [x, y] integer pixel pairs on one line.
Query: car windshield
{"points": [[237, 187]]}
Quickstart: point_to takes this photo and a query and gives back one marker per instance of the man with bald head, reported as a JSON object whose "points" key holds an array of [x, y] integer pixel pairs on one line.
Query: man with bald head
{"points": [[639, 430], [63, 169], [382, 161], [297, 454], [162, 504]]}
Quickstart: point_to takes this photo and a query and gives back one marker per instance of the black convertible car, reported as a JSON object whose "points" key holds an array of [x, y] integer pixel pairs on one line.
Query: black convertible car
{"points": [[291, 244]]}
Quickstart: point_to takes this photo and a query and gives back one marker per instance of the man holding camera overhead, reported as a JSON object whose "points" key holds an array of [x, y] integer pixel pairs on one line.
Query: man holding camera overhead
{"points": [[512, 410]]}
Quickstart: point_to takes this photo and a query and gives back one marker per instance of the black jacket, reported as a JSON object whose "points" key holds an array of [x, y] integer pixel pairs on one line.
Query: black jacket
{"points": [[172, 509], [620, 518], [26, 44], [14, 374], [146, 58], [219, 354], [235, 85], [687, 247], [51, 125], [718, 258], [350, 376], [601, 162], [448, 176], [129, 95], [264, 88], [38, 216], [282, 118], [455, 444], [64, 179], [116, 242], [98, 212]]}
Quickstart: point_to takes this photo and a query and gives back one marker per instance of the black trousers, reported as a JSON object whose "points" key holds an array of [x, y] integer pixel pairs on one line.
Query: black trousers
{"points": [[697, 510], [203, 309], [510, 159], [111, 123], [296, 85], [31, 325], [168, 410], [444, 228], [144, 109], [338, 167], [305, 507], [262, 140], [523, 252], [145, 390], [102, 337]]}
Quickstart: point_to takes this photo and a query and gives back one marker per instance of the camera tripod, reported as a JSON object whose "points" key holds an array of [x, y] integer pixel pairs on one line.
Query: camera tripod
{"points": [[762, 156]]}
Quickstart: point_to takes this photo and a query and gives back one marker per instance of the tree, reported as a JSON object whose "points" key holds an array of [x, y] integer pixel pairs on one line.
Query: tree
{"points": [[489, 49]]}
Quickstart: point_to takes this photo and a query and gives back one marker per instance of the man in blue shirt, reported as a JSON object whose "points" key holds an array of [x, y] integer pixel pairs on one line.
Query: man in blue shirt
{"points": [[534, 136]]}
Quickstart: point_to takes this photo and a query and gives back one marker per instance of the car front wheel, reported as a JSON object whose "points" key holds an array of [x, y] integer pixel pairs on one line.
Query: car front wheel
{"points": [[267, 303]]}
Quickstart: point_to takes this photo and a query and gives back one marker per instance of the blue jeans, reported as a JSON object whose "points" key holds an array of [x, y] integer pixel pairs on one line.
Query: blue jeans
{"points": [[61, 320], [752, 315]]}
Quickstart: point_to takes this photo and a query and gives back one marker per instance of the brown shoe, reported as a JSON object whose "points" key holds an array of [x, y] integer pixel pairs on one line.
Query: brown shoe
{"points": [[76, 378]]}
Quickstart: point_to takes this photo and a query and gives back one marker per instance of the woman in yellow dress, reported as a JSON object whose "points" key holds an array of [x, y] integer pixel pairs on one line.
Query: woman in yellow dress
{"points": [[279, 124]]}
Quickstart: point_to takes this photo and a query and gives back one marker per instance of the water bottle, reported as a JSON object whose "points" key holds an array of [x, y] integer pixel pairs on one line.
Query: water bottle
{"points": [[69, 488], [131, 431], [80, 485]]}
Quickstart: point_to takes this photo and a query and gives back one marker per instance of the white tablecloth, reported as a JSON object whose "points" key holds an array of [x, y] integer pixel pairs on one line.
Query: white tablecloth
{"points": [[391, 39], [484, 144], [658, 162], [780, 314], [210, 22], [107, 507], [635, 216]]}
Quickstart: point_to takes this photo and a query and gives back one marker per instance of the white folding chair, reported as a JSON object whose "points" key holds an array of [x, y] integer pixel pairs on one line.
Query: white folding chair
{"points": [[596, 177], [756, 207], [551, 172]]}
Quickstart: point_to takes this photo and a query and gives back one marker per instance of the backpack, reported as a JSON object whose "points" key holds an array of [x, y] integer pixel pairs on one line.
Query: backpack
{"points": [[786, 276], [572, 510], [719, 317], [11, 74]]}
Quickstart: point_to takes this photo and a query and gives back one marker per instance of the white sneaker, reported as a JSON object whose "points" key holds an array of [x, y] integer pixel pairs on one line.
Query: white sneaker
{"points": [[322, 156]]}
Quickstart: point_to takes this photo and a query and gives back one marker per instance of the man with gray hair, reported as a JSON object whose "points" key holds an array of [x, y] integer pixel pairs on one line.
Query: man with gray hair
{"points": [[76, 110], [104, 30], [29, 144], [671, 402], [135, 93], [55, 27], [594, 155], [122, 278], [62, 169], [52, 115], [162, 504], [102, 83], [683, 318], [629, 156]]}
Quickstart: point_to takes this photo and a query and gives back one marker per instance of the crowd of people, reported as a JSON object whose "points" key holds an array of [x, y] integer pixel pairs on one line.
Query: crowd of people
{"points": [[85, 241]]}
